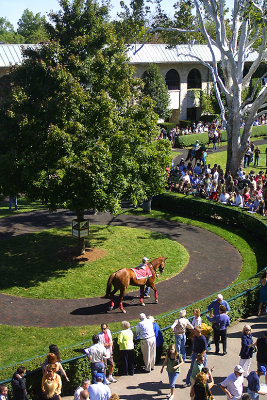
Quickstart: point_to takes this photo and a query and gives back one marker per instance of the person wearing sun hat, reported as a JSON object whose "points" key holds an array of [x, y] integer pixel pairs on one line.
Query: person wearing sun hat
{"points": [[232, 386], [254, 388]]}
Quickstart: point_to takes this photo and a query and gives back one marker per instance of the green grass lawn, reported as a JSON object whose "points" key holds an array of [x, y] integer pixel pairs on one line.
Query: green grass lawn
{"points": [[220, 159], [23, 206], [28, 269]]}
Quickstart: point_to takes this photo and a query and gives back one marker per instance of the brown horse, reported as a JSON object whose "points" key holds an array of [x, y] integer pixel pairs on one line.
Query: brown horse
{"points": [[124, 277], [198, 155]]}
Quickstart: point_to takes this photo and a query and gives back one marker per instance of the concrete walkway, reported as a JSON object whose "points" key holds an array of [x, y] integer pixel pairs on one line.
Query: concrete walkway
{"points": [[154, 385]]}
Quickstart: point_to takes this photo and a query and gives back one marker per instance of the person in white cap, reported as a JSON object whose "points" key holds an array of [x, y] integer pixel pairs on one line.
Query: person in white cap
{"points": [[143, 265], [144, 330], [233, 384]]}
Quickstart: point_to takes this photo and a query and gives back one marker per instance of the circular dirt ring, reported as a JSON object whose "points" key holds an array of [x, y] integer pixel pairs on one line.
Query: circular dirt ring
{"points": [[213, 265]]}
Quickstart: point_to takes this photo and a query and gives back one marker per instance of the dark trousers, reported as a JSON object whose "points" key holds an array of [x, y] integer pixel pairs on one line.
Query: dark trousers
{"points": [[127, 357], [220, 334]]}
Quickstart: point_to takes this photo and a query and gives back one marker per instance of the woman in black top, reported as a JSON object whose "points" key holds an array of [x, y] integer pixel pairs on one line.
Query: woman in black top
{"points": [[201, 389]]}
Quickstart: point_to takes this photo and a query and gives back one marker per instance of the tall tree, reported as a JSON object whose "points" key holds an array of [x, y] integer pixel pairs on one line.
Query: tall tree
{"points": [[8, 33], [155, 86], [76, 128], [32, 27], [248, 32]]}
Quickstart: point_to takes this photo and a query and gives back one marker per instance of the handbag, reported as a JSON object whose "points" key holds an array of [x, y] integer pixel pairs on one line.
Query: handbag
{"points": [[208, 394]]}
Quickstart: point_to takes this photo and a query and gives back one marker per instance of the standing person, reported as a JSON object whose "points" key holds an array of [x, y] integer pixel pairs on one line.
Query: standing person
{"points": [[126, 346], [199, 346], [99, 391], [96, 354], [55, 350], [144, 330], [261, 355], [220, 323], [173, 360], [19, 385], [105, 338], [51, 384], [257, 156], [215, 305], [201, 388], [84, 386], [179, 328], [233, 384], [263, 291], [143, 265], [3, 392], [13, 200], [246, 351], [197, 320], [197, 367], [254, 389], [159, 339]]}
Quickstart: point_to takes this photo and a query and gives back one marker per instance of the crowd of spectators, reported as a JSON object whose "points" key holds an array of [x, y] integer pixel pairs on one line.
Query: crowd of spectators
{"points": [[193, 336], [248, 190]]}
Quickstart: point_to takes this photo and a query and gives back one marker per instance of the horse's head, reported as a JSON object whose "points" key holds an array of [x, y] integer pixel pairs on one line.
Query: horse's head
{"points": [[162, 264]]}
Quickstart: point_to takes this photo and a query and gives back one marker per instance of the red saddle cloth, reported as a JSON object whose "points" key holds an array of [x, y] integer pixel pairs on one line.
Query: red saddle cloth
{"points": [[142, 273]]}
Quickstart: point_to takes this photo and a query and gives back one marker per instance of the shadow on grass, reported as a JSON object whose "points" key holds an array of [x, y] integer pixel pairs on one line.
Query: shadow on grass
{"points": [[27, 260]]}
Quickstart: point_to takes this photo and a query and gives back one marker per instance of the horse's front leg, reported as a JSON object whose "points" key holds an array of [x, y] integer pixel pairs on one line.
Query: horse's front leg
{"points": [[155, 291], [122, 293], [142, 290]]}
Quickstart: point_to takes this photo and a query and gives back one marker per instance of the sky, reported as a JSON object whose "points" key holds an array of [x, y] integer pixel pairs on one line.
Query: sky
{"points": [[13, 9]]}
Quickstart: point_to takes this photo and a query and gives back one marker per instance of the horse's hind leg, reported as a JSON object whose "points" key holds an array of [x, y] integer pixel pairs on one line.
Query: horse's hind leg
{"points": [[122, 293], [155, 291], [112, 299], [142, 291]]}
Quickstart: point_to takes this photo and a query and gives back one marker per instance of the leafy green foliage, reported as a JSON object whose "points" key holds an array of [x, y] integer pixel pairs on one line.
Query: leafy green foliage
{"points": [[76, 128], [155, 86], [32, 27], [8, 33]]}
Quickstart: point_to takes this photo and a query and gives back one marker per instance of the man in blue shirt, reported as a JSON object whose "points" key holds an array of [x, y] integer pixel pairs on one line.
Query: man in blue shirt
{"points": [[199, 346], [215, 305], [254, 389], [220, 324]]}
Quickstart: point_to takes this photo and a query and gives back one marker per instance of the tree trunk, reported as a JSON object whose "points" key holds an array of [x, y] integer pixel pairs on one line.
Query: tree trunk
{"points": [[81, 241]]}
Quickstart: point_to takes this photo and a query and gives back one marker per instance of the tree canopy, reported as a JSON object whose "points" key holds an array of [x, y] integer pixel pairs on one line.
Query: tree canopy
{"points": [[155, 86], [76, 128]]}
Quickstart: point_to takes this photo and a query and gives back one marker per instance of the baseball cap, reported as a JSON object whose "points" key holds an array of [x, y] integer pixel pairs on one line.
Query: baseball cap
{"points": [[262, 369], [99, 376], [239, 369], [145, 259]]}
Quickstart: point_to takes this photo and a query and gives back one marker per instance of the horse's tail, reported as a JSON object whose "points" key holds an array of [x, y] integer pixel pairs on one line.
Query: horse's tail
{"points": [[110, 280]]}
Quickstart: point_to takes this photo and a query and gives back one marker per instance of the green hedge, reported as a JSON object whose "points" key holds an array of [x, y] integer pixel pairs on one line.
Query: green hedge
{"points": [[189, 140], [205, 209]]}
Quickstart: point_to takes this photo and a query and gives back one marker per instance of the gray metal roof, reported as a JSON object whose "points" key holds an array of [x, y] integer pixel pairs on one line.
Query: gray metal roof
{"points": [[159, 53], [11, 54]]}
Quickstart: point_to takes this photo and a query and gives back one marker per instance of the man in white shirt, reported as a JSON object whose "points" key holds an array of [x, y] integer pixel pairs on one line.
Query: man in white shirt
{"points": [[224, 197], [105, 338], [144, 330], [84, 386], [233, 384], [179, 328], [239, 200], [99, 391], [96, 354]]}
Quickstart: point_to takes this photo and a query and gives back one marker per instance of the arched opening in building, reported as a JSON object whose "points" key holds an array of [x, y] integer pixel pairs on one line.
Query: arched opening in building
{"points": [[172, 80], [194, 79]]}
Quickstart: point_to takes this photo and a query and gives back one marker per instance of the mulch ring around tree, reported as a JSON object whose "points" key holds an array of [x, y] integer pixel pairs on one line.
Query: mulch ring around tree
{"points": [[72, 254]]}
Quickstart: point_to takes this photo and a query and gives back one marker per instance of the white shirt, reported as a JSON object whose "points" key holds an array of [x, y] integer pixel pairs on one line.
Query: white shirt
{"points": [[234, 385], [99, 391], [224, 198], [101, 336], [77, 393], [96, 353], [239, 201], [145, 329], [196, 321], [179, 326]]}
